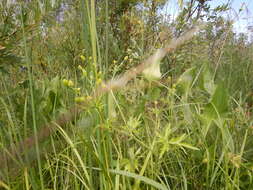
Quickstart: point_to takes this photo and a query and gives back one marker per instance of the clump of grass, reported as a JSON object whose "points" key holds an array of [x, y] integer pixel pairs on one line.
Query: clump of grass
{"points": [[181, 132]]}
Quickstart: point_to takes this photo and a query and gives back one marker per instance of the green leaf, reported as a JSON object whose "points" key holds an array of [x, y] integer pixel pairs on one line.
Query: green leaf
{"points": [[207, 122], [206, 81], [186, 145], [177, 140], [164, 149], [141, 178], [155, 93], [185, 81], [226, 135], [3, 70], [188, 116], [216, 109], [218, 106]]}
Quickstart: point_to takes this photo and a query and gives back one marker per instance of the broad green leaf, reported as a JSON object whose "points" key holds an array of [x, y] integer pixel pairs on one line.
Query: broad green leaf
{"points": [[218, 106], [216, 110], [206, 81]]}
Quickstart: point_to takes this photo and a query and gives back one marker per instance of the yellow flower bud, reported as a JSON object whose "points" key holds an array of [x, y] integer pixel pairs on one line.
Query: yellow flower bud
{"points": [[77, 90], [205, 160], [82, 57], [80, 67], [65, 82], [80, 99], [99, 81], [70, 83]]}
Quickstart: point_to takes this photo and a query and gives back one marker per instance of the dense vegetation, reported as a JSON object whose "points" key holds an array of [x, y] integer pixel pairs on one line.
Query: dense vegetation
{"points": [[185, 124]]}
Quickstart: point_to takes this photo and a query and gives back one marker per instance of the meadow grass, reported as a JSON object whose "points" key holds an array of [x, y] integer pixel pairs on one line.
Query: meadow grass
{"points": [[186, 132]]}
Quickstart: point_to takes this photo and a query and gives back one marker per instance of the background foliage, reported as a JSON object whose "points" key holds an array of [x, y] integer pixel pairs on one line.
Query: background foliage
{"points": [[191, 129]]}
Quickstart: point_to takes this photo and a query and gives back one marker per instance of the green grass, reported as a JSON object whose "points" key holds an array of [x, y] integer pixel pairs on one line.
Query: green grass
{"points": [[191, 129]]}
